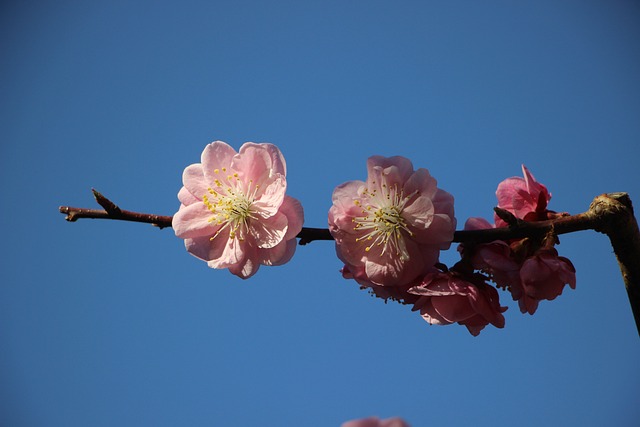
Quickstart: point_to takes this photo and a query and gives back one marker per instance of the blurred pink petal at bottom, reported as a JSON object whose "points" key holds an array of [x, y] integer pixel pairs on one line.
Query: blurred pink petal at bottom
{"points": [[376, 422]]}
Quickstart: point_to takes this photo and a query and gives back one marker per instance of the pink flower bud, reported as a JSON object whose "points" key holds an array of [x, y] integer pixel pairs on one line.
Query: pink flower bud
{"points": [[526, 198], [543, 277]]}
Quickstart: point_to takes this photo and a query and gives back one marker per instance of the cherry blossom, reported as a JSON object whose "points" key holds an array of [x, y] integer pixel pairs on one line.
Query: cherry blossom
{"points": [[376, 422], [390, 229], [447, 298], [531, 271], [543, 277], [234, 212]]}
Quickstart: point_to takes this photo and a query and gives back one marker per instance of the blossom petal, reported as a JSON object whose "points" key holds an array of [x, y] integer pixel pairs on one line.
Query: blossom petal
{"points": [[422, 183], [216, 156], [186, 198], [475, 324], [437, 287], [248, 265], [453, 308], [376, 422], [391, 269], [393, 171], [344, 194], [194, 180], [485, 301], [432, 219], [349, 249], [429, 313], [271, 197], [344, 208], [393, 422], [279, 254], [268, 232], [364, 422], [292, 209], [277, 164], [476, 223], [528, 305], [233, 251], [536, 188], [193, 221], [254, 163], [384, 273], [419, 215], [201, 247], [440, 232], [524, 197]]}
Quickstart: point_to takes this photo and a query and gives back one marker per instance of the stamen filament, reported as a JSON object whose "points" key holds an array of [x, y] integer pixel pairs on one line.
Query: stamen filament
{"points": [[382, 222], [232, 208]]}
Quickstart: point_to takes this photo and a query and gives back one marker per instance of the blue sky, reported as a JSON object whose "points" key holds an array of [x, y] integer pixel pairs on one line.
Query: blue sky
{"points": [[105, 323]]}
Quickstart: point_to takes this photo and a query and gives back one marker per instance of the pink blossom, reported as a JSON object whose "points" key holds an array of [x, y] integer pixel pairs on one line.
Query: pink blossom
{"points": [[543, 277], [526, 198], [390, 229], [234, 212], [447, 298], [396, 293], [495, 258], [530, 273], [376, 422]]}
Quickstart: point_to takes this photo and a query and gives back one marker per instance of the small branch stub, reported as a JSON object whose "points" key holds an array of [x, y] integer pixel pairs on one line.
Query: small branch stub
{"points": [[112, 209]]}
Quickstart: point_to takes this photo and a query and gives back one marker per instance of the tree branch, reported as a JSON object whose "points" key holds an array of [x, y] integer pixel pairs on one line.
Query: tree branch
{"points": [[611, 214], [566, 224], [620, 225]]}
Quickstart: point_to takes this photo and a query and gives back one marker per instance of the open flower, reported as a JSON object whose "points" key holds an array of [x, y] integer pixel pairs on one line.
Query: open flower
{"points": [[390, 229], [524, 197], [234, 212], [447, 298], [376, 422]]}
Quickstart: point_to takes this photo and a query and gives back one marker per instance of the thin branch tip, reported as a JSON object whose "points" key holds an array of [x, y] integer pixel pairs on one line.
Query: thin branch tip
{"points": [[69, 214], [107, 204]]}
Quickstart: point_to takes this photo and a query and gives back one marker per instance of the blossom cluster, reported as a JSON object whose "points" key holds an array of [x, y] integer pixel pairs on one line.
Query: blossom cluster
{"points": [[388, 229], [529, 269]]}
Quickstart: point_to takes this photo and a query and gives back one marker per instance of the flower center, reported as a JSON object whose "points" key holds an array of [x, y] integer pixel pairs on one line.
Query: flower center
{"points": [[231, 206], [382, 222]]}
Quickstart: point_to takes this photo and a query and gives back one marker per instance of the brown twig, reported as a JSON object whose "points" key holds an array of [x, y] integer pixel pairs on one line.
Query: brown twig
{"points": [[112, 211]]}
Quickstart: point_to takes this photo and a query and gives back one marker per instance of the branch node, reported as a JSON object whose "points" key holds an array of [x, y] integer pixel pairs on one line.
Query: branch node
{"points": [[112, 209], [615, 218], [70, 215]]}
